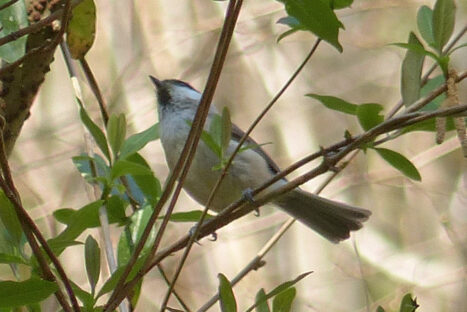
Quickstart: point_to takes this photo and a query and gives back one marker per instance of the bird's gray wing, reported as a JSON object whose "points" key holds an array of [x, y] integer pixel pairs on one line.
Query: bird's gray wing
{"points": [[238, 133]]}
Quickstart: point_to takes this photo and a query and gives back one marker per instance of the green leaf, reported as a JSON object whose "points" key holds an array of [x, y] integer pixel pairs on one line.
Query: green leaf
{"points": [[95, 131], [110, 284], [14, 294], [283, 301], [400, 162], [81, 29], [444, 18], [92, 254], [263, 303], [6, 258], [226, 130], [339, 4], [425, 24], [83, 164], [116, 131], [408, 304], [282, 287], [123, 167], [368, 115], [187, 216], [317, 17], [145, 188], [226, 295], [10, 220], [12, 19], [132, 234], [211, 143], [417, 49], [137, 141], [335, 103], [411, 73], [86, 298], [83, 219], [380, 309]]}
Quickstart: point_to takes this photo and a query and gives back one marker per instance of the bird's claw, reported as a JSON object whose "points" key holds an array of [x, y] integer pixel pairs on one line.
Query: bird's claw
{"points": [[248, 196]]}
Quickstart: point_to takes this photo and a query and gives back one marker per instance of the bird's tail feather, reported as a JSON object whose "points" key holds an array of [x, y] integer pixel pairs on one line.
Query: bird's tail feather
{"points": [[331, 219]]}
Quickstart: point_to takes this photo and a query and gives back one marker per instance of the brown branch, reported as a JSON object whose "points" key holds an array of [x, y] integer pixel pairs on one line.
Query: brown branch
{"points": [[36, 26], [30, 229], [183, 163], [6, 5]]}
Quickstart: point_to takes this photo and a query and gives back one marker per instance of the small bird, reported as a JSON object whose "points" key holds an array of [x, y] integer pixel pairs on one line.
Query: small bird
{"points": [[177, 104]]}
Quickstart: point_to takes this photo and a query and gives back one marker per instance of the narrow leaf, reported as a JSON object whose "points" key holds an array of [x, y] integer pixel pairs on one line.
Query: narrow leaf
{"points": [[137, 141], [444, 17], [146, 188], [10, 220], [380, 309], [368, 115], [132, 234], [81, 29], [92, 254], [399, 162], [116, 132], [110, 284], [335, 103], [227, 299], [263, 303], [282, 287], [84, 218], [124, 167], [85, 297], [14, 294], [417, 49], [95, 131], [425, 24], [408, 304], [6, 258], [411, 73], [282, 302]]}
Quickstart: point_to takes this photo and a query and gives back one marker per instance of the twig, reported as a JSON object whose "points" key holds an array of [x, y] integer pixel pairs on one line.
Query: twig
{"points": [[37, 26], [95, 89], [103, 217], [180, 168], [177, 296], [241, 208], [257, 261], [230, 23], [30, 229], [6, 5]]}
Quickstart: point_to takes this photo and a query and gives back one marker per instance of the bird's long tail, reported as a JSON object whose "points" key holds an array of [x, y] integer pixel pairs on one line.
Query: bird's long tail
{"points": [[331, 219]]}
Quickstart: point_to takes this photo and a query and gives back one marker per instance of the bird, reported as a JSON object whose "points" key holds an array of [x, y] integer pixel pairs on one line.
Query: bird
{"points": [[177, 102]]}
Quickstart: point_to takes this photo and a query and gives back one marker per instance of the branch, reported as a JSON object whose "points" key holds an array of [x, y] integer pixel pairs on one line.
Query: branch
{"points": [[182, 166]]}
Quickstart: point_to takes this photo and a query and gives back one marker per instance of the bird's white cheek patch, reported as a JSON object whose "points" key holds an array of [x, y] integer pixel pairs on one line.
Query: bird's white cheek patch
{"points": [[189, 93]]}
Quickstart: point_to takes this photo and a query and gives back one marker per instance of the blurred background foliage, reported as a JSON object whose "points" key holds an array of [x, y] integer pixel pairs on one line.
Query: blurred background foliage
{"points": [[415, 240]]}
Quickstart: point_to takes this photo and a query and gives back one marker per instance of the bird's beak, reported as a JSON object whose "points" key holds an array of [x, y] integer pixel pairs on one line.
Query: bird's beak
{"points": [[155, 81]]}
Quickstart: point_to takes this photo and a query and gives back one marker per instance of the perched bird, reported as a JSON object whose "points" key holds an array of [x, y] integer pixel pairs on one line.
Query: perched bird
{"points": [[177, 104]]}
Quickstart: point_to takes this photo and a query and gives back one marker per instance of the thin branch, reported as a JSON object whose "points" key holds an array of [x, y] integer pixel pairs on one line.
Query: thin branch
{"points": [[30, 229], [176, 295], [257, 262], [241, 207], [6, 5], [182, 165], [37, 26], [95, 89], [230, 21]]}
